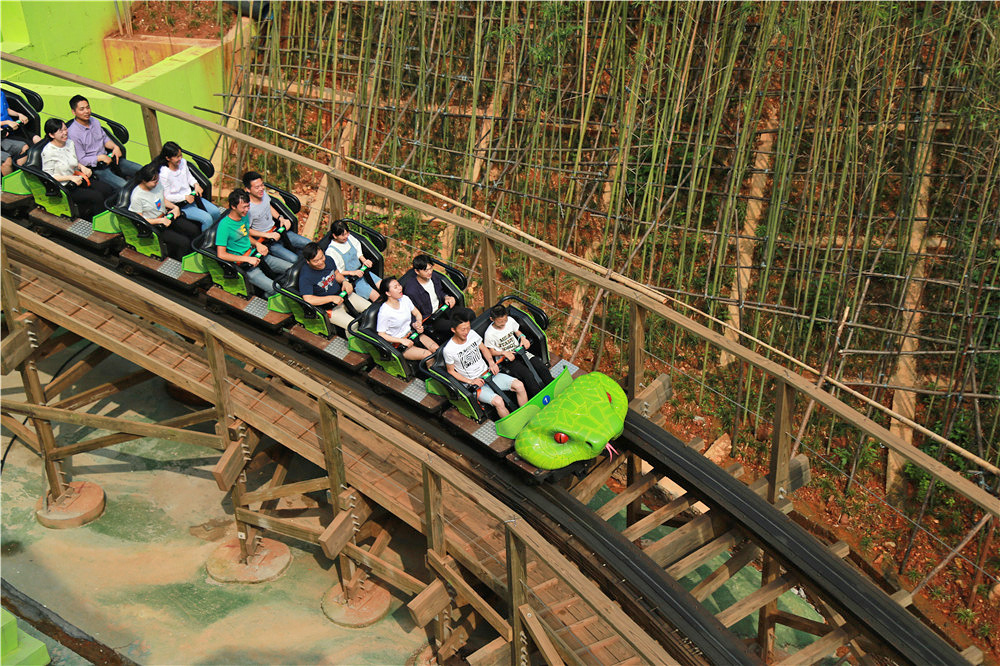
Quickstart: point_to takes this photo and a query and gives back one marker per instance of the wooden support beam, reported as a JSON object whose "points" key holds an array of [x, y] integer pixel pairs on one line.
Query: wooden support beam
{"points": [[334, 197], [431, 602], [650, 399], [458, 637], [65, 340], [333, 457], [95, 443], [152, 125], [277, 492], [658, 517], [433, 511], [636, 349], [111, 423], [383, 570], [345, 525], [755, 600], [726, 570], [447, 569], [590, 484], [308, 228], [43, 429], [632, 492], [233, 461], [799, 623], [15, 347], [21, 431], [633, 474], [539, 636], [284, 526], [105, 390], [74, 373], [818, 649]]}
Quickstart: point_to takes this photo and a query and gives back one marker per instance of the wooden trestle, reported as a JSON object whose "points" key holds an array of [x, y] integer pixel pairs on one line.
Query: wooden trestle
{"points": [[478, 550], [362, 461]]}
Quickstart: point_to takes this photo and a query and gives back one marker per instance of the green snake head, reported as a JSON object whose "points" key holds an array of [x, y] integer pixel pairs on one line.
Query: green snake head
{"points": [[576, 425]]}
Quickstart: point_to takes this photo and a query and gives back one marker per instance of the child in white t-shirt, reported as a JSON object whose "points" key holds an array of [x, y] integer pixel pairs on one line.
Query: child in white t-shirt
{"points": [[502, 338], [467, 360]]}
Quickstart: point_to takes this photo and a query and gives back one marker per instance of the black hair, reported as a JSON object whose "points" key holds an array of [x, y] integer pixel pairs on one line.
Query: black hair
{"points": [[498, 311], [76, 99], [383, 287], [249, 177], [238, 196], [53, 125], [149, 172], [170, 149], [338, 227], [309, 251], [461, 315], [422, 261]]}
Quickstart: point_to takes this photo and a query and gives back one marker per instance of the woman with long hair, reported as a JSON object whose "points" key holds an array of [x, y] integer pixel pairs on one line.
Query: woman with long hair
{"points": [[167, 221], [182, 190], [399, 319]]}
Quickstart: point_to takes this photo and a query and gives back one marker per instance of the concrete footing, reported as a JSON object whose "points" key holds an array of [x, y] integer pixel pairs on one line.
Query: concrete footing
{"points": [[81, 503], [369, 605], [269, 561]]}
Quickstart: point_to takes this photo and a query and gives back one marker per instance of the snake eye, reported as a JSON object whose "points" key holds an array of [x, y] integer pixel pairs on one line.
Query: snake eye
{"points": [[561, 437]]}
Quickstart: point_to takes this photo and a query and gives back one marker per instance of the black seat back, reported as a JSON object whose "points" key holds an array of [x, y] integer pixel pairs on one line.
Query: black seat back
{"points": [[25, 106]]}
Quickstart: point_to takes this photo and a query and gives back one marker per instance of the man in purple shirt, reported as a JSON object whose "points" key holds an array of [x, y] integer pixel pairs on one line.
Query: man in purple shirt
{"points": [[95, 149]]}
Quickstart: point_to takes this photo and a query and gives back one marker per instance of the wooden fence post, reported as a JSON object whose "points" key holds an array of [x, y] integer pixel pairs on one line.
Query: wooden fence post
{"points": [[329, 421], [434, 529], [334, 198], [636, 345], [489, 266], [517, 576], [777, 485], [153, 140]]}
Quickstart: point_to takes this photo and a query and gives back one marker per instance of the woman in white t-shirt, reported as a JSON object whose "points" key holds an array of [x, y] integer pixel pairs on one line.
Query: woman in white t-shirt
{"points": [[394, 322], [182, 190]]}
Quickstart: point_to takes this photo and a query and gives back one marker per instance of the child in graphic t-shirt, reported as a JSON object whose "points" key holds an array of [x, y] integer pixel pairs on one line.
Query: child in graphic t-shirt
{"points": [[502, 338], [467, 360]]}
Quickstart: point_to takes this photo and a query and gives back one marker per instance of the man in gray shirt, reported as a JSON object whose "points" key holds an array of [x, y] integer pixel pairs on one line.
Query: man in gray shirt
{"points": [[265, 221]]}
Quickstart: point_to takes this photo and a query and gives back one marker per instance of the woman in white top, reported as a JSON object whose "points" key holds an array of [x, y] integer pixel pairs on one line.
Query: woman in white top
{"points": [[182, 190], [59, 161], [393, 324]]}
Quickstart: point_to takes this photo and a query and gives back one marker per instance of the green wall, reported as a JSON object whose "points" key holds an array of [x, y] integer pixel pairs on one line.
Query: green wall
{"points": [[69, 35]]}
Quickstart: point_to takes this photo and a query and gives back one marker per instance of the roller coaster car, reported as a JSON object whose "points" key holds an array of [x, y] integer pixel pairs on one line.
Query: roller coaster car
{"points": [[318, 329], [392, 372], [232, 289], [29, 103], [479, 421], [58, 213], [144, 251]]}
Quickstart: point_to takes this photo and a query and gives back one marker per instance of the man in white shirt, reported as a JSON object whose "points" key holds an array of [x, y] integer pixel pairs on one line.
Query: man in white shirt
{"points": [[502, 339], [468, 361]]}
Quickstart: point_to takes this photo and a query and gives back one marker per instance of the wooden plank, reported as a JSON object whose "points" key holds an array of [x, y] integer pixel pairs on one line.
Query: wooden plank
{"points": [[818, 649], [686, 565], [152, 125], [495, 653], [329, 421], [619, 501], [445, 567], [517, 579], [43, 429], [181, 421], [694, 534], [726, 570], [755, 600], [103, 391], [385, 571], [113, 424], [341, 529], [57, 344], [658, 517], [590, 484], [14, 349], [649, 400], [433, 511], [284, 526], [539, 636], [277, 492], [799, 623], [489, 274], [431, 602], [74, 373], [230, 466]]}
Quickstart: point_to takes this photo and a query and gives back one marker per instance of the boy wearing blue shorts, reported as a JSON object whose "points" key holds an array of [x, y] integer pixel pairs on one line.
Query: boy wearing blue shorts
{"points": [[466, 356]]}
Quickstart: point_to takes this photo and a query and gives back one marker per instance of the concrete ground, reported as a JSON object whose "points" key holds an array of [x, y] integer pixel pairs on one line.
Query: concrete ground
{"points": [[135, 578]]}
